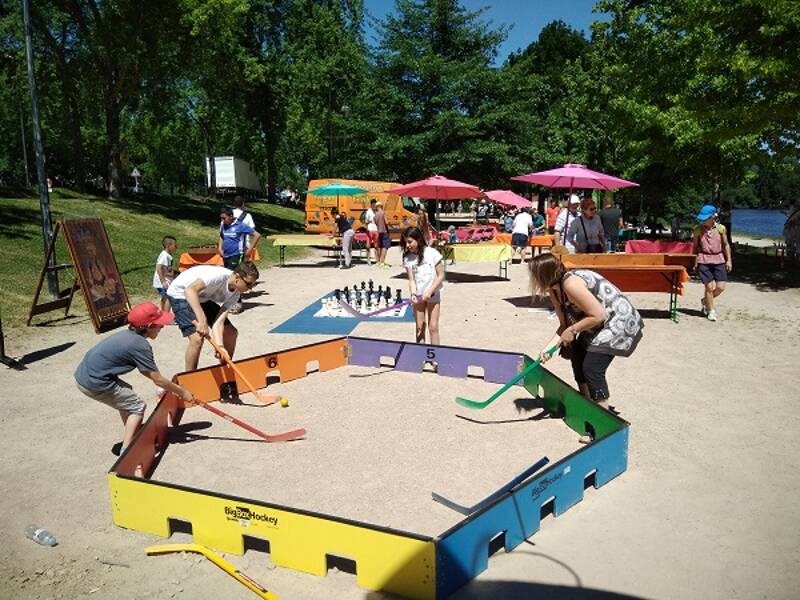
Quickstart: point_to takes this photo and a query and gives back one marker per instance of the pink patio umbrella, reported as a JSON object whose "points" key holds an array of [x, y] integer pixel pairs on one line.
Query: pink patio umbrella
{"points": [[508, 198], [575, 176], [438, 188]]}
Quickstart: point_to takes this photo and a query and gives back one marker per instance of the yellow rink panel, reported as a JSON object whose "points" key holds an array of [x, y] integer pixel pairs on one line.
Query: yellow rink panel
{"points": [[385, 560]]}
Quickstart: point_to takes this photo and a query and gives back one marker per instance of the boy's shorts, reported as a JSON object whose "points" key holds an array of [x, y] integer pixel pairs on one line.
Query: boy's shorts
{"points": [[372, 239], [162, 292], [184, 315], [715, 272], [385, 240], [519, 240], [231, 262], [121, 396]]}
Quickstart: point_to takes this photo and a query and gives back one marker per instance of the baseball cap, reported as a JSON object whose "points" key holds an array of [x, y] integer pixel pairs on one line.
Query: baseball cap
{"points": [[708, 211], [148, 313], [573, 199]]}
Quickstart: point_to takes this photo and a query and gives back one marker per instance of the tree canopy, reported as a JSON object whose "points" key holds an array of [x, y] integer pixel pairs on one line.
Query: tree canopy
{"points": [[694, 99]]}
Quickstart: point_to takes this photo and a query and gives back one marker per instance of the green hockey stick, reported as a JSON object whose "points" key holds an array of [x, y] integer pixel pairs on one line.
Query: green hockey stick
{"points": [[474, 404]]}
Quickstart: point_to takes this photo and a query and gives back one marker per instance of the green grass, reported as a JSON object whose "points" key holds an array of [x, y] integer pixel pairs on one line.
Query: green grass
{"points": [[135, 227]]}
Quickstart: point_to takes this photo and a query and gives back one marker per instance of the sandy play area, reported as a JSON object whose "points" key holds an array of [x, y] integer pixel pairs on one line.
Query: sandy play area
{"points": [[706, 509], [379, 442]]}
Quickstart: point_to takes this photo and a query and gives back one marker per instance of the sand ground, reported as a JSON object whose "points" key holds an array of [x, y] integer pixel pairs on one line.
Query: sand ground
{"points": [[707, 508]]}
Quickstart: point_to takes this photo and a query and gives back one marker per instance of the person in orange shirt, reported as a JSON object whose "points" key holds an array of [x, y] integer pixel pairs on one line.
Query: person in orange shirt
{"points": [[552, 214]]}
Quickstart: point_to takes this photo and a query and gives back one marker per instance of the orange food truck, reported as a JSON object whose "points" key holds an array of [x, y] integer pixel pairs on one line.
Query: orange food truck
{"points": [[400, 212]]}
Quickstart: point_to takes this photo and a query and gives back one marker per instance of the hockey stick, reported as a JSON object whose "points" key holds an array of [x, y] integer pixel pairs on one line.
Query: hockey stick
{"points": [[265, 399], [468, 510], [287, 436], [475, 404], [217, 560], [359, 315]]}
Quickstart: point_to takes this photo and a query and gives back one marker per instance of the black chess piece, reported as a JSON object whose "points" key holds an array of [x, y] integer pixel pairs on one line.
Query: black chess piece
{"points": [[369, 301], [347, 293], [363, 286], [371, 284], [387, 294], [399, 297], [380, 290], [337, 294]]}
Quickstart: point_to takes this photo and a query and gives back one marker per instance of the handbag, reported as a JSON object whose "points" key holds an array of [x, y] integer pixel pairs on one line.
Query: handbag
{"points": [[591, 248]]}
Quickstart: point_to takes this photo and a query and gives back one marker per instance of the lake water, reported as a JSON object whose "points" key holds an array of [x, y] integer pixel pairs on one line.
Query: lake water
{"points": [[758, 222]]}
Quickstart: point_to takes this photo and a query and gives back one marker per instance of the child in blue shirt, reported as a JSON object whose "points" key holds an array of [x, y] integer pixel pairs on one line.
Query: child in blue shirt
{"points": [[233, 234]]}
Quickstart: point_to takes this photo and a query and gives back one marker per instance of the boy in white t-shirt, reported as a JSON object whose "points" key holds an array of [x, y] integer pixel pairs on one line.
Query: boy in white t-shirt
{"points": [[164, 272], [425, 270], [204, 295], [520, 234]]}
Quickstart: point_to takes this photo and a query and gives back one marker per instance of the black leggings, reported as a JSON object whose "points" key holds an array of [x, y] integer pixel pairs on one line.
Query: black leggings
{"points": [[590, 368]]}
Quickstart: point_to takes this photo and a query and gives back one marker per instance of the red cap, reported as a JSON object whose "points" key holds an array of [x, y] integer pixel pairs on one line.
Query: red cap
{"points": [[148, 313]]}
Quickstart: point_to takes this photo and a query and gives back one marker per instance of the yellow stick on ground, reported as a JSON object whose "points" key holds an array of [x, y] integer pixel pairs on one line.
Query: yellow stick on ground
{"points": [[217, 560]]}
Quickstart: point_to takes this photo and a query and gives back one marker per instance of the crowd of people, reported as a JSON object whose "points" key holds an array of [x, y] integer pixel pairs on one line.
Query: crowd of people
{"points": [[597, 322]]}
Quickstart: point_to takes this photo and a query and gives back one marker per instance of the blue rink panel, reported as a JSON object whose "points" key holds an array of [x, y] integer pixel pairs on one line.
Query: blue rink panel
{"points": [[463, 551], [305, 321]]}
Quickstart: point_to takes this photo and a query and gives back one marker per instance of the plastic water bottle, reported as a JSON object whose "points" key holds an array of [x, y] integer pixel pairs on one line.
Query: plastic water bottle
{"points": [[40, 536]]}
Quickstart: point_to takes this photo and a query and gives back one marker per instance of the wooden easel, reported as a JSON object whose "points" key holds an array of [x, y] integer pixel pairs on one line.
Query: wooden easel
{"points": [[64, 302]]}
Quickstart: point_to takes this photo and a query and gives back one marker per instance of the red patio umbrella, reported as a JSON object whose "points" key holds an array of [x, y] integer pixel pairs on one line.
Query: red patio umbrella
{"points": [[508, 198], [438, 188]]}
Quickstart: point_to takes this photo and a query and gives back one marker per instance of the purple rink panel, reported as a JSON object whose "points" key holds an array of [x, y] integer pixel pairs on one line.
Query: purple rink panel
{"points": [[498, 367]]}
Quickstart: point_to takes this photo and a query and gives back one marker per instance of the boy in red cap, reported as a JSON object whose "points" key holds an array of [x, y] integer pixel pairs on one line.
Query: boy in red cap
{"points": [[98, 373]]}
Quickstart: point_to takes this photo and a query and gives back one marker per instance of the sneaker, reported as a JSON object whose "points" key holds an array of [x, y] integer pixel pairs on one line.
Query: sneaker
{"points": [[712, 315], [341, 266], [703, 305]]}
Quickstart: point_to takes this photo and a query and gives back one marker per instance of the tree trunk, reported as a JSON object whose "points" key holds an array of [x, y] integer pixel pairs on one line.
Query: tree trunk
{"points": [[205, 127], [76, 139], [272, 175], [114, 183]]}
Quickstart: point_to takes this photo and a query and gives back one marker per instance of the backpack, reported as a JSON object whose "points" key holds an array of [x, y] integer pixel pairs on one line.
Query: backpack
{"points": [[720, 228]]}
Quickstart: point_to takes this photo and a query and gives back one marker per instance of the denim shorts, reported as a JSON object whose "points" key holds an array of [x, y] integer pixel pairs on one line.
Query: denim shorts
{"points": [[385, 240], [185, 317], [715, 272], [121, 396]]}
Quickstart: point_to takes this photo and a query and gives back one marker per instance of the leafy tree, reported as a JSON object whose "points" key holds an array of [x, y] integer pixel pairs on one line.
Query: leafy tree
{"points": [[443, 108]]}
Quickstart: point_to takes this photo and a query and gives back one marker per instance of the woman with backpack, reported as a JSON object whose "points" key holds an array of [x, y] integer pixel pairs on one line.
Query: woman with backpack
{"points": [[713, 259]]}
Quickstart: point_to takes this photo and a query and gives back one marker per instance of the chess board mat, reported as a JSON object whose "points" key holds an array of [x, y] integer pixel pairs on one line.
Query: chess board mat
{"points": [[306, 320]]}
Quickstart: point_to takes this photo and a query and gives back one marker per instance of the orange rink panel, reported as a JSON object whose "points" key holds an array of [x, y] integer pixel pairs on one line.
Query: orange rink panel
{"points": [[287, 364]]}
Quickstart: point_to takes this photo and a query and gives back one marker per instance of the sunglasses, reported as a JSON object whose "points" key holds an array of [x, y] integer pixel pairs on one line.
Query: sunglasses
{"points": [[250, 284]]}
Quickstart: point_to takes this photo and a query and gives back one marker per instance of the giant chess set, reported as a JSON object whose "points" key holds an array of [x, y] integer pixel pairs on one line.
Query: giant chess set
{"points": [[365, 300]]}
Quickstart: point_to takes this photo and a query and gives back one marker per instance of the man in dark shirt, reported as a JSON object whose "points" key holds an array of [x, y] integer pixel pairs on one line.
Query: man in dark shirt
{"points": [[611, 216], [347, 233]]}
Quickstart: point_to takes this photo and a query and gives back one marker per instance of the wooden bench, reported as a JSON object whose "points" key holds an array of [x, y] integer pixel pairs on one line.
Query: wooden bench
{"points": [[283, 240], [639, 272]]}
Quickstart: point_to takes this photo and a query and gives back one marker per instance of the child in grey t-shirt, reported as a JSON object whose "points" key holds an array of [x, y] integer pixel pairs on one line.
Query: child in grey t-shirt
{"points": [[98, 373]]}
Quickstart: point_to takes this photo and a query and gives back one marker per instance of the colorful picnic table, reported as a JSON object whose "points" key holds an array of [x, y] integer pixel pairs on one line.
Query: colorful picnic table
{"points": [[281, 240], [206, 255], [481, 252], [652, 272]]}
